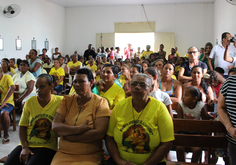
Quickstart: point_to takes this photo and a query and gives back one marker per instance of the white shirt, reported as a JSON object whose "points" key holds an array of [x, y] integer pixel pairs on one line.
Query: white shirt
{"points": [[118, 55], [161, 96], [194, 113], [217, 53]]}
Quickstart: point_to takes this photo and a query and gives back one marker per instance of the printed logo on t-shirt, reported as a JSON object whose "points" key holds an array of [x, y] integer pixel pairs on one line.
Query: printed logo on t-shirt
{"points": [[42, 129], [136, 140]]}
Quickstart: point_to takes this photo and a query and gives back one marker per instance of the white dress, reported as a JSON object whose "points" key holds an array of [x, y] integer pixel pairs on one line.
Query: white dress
{"points": [[194, 113]]}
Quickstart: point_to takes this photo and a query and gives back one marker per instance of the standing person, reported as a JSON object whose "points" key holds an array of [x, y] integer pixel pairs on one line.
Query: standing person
{"points": [[7, 89], [161, 52], [118, 54], [89, 52], [186, 67], [217, 53], [147, 53], [127, 51], [56, 54], [226, 111], [204, 57], [112, 54], [172, 54], [35, 63], [38, 142]]}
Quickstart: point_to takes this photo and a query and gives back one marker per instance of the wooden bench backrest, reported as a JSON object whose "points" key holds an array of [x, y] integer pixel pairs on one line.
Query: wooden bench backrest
{"points": [[204, 126]]}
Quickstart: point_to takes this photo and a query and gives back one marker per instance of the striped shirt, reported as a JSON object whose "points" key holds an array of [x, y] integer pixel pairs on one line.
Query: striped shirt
{"points": [[228, 91]]}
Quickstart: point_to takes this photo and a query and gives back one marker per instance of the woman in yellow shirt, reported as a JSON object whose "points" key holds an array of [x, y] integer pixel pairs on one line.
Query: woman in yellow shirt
{"points": [[59, 73], [125, 74], [38, 141], [111, 91], [7, 89], [140, 129]]}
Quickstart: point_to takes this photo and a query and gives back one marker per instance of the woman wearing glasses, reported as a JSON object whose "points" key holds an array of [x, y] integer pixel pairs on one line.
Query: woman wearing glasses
{"points": [[186, 67], [81, 121], [140, 128]]}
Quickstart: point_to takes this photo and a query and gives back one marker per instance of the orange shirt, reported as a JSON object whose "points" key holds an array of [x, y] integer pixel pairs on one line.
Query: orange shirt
{"points": [[76, 115]]}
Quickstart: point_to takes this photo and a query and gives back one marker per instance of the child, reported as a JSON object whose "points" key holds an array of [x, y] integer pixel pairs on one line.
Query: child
{"points": [[191, 107]]}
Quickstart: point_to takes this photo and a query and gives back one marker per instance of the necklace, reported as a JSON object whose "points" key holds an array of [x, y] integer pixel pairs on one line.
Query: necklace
{"points": [[138, 116]]}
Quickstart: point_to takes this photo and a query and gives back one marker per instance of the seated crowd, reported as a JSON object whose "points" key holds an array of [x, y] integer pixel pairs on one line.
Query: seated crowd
{"points": [[122, 103]]}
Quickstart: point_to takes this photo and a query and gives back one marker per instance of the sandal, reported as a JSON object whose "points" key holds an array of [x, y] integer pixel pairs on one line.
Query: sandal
{"points": [[5, 141]]}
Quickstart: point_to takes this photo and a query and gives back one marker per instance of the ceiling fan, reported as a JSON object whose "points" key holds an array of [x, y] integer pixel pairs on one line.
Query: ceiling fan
{"points": [[11, 10], [233, 2]]}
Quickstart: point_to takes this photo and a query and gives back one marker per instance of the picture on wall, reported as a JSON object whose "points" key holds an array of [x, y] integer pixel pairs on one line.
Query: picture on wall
{"points": [[1, 44], [33, 44], [18, 44], [46, 44]]}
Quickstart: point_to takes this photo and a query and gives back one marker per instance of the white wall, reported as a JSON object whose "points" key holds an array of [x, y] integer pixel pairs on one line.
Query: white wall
{"points": [[224, 18], [192, 23], [39, 19]]}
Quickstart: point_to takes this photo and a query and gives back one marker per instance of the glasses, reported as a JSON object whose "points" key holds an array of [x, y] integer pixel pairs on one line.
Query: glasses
{"points": [[142, 85], [194, 52]]}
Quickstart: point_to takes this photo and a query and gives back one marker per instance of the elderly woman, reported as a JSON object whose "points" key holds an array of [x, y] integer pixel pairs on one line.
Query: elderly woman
{"points": [[170, 86], [186, 67], [38, 142], [6, 103], [35, 63], [198, 82], [140, 129], [110, 90], [59, 73], [26, 82], [81, 121]]}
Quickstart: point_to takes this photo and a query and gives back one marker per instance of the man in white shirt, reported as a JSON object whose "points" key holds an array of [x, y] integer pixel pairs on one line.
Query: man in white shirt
{"points": [[217, 53]]}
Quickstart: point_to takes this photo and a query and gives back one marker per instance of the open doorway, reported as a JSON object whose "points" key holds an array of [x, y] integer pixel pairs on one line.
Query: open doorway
{"points": [[136, 39]]}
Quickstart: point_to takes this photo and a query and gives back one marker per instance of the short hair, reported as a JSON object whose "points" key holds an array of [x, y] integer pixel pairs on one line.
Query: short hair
{"points": [[50, 79], [35, 51], [219, 70], [232, 70], [57, 60], [153, 72], [146, 76], [162, 45], [25, 62], [13, 59], [114, 68], [193, 47], [139, 67], [224, 35], [86, 71], [44, 49], [148, 46]]}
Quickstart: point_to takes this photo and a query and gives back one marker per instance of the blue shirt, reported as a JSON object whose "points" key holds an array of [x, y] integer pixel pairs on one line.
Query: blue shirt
{"points": [[37, 72]]}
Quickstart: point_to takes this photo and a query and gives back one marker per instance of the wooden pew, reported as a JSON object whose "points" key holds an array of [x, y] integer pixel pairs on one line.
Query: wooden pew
{"points": [[208, 141]]}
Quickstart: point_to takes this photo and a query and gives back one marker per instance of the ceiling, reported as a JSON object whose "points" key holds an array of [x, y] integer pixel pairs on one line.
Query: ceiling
{"points": [[78, 3]]}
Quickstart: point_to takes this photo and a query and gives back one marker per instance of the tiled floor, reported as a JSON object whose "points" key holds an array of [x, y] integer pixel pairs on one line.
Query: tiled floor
{"points": [[7, 148]]}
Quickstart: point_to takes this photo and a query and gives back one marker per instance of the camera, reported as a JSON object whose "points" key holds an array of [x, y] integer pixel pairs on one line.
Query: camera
{"points": [[232, 39]]}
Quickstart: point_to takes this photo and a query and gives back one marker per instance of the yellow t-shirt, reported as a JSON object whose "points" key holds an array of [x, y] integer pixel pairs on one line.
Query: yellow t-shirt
{"points": [[5, 84], [173, 77], [186, 55], [106, 62], [146, 54], [12, 70], [177, 68], [177, 54], [71, 64], [94, 67], [59, 72], [113, 95], [72, 90], [98, 78], [122, 80], [88, 62], [38, 121], [137, 135]]}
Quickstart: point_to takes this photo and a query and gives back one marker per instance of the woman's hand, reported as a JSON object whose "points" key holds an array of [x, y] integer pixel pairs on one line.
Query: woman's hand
{"points": [[3, 105], [25, 154], [84, 127]]}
